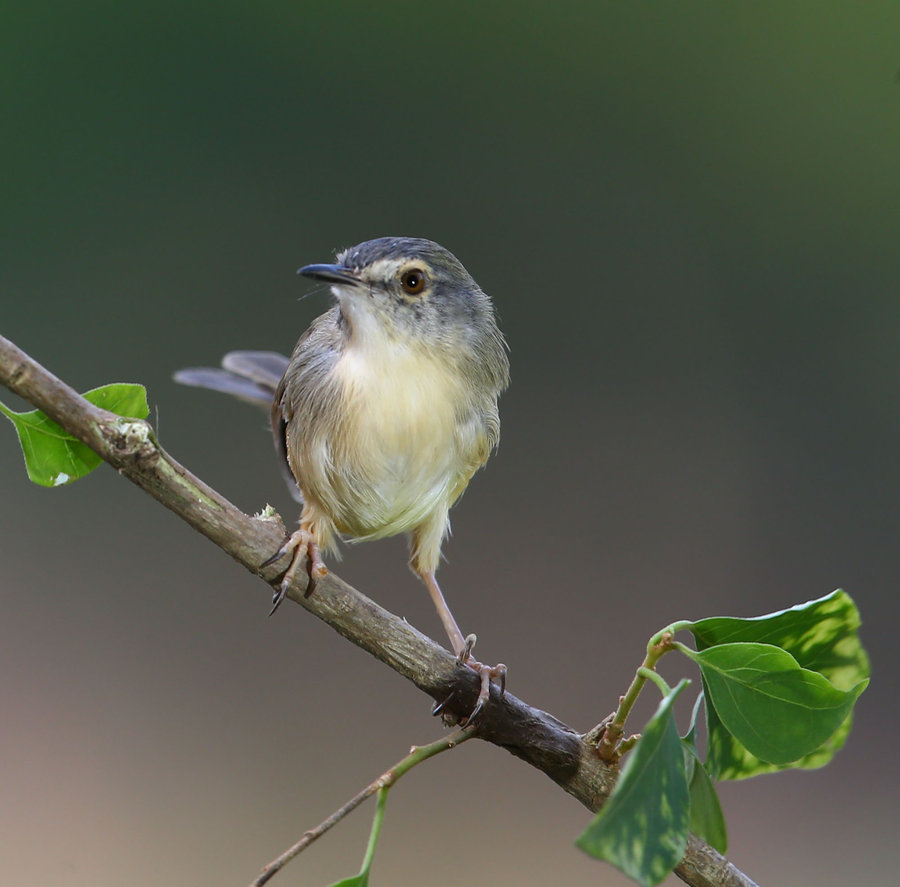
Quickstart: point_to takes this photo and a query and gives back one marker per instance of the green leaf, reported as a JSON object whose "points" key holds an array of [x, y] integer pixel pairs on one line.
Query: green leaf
{"points": [[360, 880], [707, 819], [52, 456], [822, 635], [726, 758], [691, 736], [777, 710], [643, 827]]}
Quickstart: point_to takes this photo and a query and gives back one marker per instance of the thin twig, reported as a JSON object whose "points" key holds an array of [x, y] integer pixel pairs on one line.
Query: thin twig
{"points": [[536, 737], [416, 755], [611, 731]]}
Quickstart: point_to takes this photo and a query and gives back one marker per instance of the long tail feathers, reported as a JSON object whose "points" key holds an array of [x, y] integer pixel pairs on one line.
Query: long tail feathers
{"points": [[251, 376]]}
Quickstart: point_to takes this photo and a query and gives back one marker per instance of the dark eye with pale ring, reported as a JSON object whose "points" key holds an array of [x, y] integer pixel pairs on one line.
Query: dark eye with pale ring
{"points": [[413, 281]]}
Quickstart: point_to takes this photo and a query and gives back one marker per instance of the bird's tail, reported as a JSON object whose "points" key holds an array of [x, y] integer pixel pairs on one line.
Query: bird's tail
{"points": [[251, 376]]}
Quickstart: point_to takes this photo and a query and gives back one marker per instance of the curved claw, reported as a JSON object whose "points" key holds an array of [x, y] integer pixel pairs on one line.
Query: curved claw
{"points": [[301, 542], [484, 694], [438, 707], [277, 556], [499, 672], [278, 597], [486, 674], [466, 652], [467, 722]]}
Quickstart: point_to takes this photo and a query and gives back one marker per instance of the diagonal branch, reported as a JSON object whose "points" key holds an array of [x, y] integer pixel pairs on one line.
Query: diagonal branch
{"points": [[536, 737]]}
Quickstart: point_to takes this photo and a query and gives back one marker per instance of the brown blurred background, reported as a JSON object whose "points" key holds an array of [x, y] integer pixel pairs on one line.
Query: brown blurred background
{"points": [[687, 216]]}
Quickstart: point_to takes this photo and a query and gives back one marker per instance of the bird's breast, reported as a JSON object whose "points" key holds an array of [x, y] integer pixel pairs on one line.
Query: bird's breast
{"points": [[394, 450], [401, 400]]}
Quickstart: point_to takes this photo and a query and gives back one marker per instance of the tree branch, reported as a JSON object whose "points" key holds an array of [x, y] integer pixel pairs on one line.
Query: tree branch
{"points": [[536, 737]]}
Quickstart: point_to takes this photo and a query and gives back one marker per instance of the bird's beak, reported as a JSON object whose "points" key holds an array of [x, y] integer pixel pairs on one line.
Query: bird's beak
{"points": [[330, 273]]}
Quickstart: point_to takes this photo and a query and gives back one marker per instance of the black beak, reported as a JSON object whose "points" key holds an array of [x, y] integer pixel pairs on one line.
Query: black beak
{"points": [[329, 273]]}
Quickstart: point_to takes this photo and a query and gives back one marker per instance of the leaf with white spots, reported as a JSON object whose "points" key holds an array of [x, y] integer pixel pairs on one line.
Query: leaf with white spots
{"points": [[643, 827]]}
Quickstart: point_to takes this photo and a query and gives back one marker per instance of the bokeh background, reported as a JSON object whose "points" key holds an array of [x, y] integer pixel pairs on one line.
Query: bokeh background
{"points": [[687, 215]]}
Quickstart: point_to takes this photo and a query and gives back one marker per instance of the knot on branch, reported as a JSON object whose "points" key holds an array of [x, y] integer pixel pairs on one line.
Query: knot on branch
{"points": [[130, 440], [17, 372]]}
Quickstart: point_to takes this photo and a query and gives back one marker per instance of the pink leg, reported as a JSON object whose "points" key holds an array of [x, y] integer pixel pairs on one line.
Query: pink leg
{"points": [[462, 646], [457, 641]]}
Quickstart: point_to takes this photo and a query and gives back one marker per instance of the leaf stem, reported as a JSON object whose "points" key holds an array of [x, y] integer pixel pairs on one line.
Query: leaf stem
{"points": [[377, 821], [656, 678], [608, 748], [674, 628]]}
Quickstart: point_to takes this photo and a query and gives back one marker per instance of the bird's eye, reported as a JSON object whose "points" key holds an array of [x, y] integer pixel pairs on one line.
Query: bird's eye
{"points": [[413, 281]]}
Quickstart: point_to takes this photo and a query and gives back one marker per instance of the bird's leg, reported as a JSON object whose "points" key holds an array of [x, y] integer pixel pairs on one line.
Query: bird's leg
{"points": [[301, 542], [462, 646], [458, 642]]}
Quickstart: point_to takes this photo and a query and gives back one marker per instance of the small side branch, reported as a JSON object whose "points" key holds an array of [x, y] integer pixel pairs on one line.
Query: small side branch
{"points": [[610, 746], [417, 755]]}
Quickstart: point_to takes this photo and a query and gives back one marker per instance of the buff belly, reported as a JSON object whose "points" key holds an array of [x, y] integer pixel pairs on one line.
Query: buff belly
{"points": [[399, 457]]}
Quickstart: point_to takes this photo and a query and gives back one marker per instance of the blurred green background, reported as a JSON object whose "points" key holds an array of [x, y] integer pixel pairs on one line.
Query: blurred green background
{"points": [[687, 215]]}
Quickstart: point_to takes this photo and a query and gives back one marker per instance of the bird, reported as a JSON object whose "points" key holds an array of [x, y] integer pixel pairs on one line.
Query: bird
{"points": [[384, 411]]}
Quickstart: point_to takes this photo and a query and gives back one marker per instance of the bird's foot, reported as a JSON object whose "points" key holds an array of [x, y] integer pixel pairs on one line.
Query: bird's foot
{"points": [[301, 543], [486, 674]]}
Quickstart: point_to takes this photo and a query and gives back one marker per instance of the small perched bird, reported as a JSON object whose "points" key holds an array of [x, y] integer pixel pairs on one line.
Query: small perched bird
{"points": [[385, 410]]}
